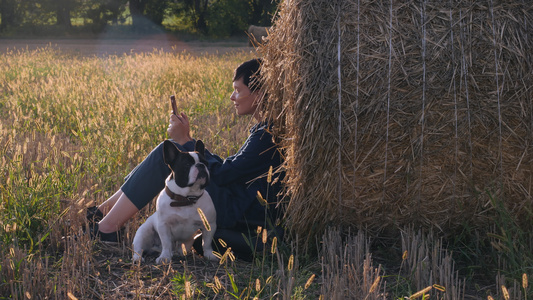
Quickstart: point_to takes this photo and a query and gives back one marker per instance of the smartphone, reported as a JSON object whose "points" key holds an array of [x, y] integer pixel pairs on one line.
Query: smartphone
{"points": [[174, 106]]}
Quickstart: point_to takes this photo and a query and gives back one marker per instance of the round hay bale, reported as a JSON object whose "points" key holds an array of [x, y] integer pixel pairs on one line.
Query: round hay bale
{"points": [[403, 112]]}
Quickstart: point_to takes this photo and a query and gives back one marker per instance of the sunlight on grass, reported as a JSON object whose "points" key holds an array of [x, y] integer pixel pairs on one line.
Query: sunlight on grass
{"points": [[72, 127]]}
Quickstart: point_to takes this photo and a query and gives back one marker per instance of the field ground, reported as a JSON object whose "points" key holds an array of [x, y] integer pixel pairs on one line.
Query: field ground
{"points": [[63, 115], [108, 46], [119, 278]]}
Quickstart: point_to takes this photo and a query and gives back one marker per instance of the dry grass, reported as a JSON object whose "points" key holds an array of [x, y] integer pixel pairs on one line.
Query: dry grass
{"points": [[72, 127]]}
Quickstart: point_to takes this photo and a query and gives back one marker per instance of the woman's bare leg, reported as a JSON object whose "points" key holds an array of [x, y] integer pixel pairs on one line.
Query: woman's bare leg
{"points": [[106, 206], [122, 210]]}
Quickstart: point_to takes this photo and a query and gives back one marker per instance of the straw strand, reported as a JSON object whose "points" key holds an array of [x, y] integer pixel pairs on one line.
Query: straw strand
{"points": [[356, 105], [339, 153], [455, 109], [498, 91], [464, 71], [389, 91]]}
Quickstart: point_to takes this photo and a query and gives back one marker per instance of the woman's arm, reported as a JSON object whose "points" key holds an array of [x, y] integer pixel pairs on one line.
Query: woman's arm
{"points": [[179, 128], [253, 160]]}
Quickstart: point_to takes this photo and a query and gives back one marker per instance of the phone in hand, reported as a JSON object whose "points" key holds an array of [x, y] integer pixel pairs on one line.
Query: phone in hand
{"points": [[174, 106]]}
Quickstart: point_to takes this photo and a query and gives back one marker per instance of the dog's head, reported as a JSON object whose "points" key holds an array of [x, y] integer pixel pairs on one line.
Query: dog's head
{"points": [[189, 169]]}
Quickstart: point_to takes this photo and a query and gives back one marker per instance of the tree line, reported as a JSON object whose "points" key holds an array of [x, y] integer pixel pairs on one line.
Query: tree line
{"points": [[206, 17]]}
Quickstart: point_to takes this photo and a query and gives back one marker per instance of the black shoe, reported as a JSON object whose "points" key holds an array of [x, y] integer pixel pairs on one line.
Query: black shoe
{"points": [[111, 237], [94, 215]]}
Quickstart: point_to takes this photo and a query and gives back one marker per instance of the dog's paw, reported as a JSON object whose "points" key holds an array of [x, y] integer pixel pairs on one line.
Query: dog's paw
{"points": [[137, 258], [163, 260]]}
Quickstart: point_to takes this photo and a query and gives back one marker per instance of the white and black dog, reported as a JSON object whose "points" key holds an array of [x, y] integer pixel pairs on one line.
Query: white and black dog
{"points": [[177, 219]]}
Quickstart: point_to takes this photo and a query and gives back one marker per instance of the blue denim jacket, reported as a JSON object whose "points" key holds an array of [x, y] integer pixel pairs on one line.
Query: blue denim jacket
{"points": [[236, 181]]}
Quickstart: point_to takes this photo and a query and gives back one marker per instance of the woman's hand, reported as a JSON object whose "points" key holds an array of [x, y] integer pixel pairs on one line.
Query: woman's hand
{"points": [[179, 128]]}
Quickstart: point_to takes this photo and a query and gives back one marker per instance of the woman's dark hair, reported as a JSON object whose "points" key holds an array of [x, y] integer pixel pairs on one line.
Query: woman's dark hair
{"points": [[250, 72]]}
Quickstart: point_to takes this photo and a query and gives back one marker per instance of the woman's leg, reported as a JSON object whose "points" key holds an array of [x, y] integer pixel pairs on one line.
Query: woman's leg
{"points": [[122, 210], [106, 206], [141, 186]]}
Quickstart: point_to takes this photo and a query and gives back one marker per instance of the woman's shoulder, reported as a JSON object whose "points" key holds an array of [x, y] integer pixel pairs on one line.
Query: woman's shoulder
{"points": [[261, 126]]}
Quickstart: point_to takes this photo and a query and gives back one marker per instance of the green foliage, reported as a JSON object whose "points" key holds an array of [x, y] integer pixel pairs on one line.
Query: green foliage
{"points": [[216, 18], [227, 17], [155, 11], [261, 12], [181, 284], [511, 243], [11, 14], [65, 116], [179, 17], [503, 248], [102, 12]]}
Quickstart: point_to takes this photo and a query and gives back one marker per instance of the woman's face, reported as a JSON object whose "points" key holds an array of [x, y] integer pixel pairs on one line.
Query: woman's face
{"points": [[243, 98]]}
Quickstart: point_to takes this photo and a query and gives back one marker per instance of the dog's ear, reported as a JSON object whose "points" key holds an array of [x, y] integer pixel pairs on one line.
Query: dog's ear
{"points": [[170, 152], [199, 147]]}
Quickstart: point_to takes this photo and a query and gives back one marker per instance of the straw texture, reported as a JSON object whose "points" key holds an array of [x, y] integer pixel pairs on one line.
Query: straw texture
{"points": [[402, 112]]}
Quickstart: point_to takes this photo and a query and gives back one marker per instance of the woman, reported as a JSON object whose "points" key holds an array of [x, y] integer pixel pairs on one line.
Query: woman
{"points": [[235, 181]]}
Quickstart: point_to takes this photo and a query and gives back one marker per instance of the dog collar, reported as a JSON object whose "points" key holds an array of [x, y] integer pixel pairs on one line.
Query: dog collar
{"points": [[180, 200]]}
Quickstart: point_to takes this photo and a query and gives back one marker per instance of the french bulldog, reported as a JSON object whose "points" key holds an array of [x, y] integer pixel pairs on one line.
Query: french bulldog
{"points": [[177, 218]]}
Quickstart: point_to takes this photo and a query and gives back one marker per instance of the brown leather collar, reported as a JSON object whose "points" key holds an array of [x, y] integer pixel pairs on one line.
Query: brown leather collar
{"points": [[180, 200]]}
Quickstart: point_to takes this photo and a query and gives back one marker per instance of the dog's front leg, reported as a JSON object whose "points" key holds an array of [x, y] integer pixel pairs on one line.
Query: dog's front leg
{"points": [[165, 235], [144, 239], [139, 242], [207, 241]]}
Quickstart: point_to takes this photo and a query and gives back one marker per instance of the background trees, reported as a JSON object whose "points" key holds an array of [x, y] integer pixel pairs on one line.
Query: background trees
{"points": [[205, 17], [10, 15]]}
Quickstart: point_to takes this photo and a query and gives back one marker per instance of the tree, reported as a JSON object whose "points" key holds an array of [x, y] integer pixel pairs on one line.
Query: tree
{"points": [[63, 8], [60, 8], [227, 17], [10, 14], [155, 11], [136, 11], [200, 9], [145, 13], [103, 12], [210, 17], [262, 11], [196, 11]]}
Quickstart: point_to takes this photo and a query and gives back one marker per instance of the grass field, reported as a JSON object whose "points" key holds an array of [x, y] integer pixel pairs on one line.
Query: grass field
{"points": [[72, 127]]}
